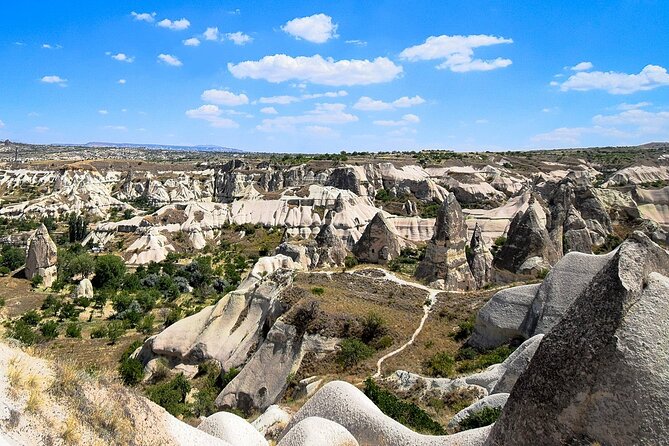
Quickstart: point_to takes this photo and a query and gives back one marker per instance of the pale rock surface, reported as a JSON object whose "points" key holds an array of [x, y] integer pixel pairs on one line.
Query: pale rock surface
{"points": [[600, 375], [380, 242], [317, 431], [84, 289], [42, 257], [480, 259], [272, 421], [496, 401], [233, 429]]}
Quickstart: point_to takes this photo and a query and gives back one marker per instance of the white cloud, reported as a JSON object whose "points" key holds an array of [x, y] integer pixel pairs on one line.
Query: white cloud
{"points": [[224, 97], [176, 25], [457, 52], [239, 38], [193, 41], [582, 66], [103, 112], [121, 57], [357, 42], [2, 124], [327, 94], [406, 119], [286, 99], [317, 28], [211, 114], [144, 16], [269, 110], [283, 100], [639, 122], [317, 70], [54, 80], [626, 106], [170, 60], [651, 77], [41, 129], [321, 130], [211, 34], [48, 46], [122, 81], [573, 135], [368, 104], [323, 114], [118, 128], [33, 114]]}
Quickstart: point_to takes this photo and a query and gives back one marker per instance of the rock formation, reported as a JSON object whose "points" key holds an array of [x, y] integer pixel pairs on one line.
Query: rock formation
{"points": [[84, 289], [600, 376], [529, 248], [379, 243], [42, 257], [445, 258], [479, 259]]}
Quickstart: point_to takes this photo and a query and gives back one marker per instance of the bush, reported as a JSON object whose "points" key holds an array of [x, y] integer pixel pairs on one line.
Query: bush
{"points": [[318, 291], [500, 241], [115, 330], [174, 315], [483, 417], [383, 342], [21, 331], [31, 317], [109, 272], [73, 330], [99, 332], [372, 327], [229, 376], [352, 351], [465, 330], [440, 365], [171, 395], [405, 412], [350, 261], [36, 281], [146, 324], [49, 330], [482, 360], [131, 371], [12, 257]]}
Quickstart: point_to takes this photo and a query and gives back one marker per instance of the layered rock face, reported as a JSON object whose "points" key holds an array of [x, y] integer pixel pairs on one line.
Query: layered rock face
{"points": [[600, 375], [445, 259], [480, 259], [42, 257], [529, 247], [326, 250], [379, 243]]}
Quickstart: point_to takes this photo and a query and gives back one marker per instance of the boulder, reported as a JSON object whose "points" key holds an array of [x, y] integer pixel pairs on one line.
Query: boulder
{"points": [[84, 289], [42, 257], [480, 259], [379, 243], [272, 421], [576, 235], [233, 429], [600, 375], [445, 258], [317, 431], [331, 248]]}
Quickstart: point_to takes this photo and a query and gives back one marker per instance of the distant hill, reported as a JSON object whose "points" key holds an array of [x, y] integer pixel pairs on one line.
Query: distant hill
{"points": [[163, 147]]}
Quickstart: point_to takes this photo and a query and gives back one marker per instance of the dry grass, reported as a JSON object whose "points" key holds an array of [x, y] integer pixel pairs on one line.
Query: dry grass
{"points": [[71, 433]]}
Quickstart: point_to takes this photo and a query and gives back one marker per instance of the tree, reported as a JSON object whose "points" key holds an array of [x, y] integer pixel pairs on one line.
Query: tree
{"points": [[77, 227], [109, 272], [12, 257]]}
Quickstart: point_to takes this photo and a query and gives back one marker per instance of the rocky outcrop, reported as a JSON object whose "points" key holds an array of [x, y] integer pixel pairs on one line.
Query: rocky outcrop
{"points": [[445, 263], [42, 257], [524, 311], [379, 243], [317, 431], [529, 248], [326, 250], [479, 259], [232, 428], [84, 289], [600, 375]]}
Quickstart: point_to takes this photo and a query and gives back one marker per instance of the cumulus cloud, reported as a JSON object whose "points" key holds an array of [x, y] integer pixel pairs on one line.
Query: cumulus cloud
{"points": [[322, 114], [406, 119], [282, 100], [103, 112], [224, 97], [651, 77], [170, 60], [457, 52], [317, 28], [626, 106], [269, 110], [54, 80], [287, 99], [176, 25], [366, 103], [211, 34], [193, 41], [48, 46], [582, 66], [211, 114], [357, 42], [121, 57], [317, 70], [144, 16], [573, 135], [121, 81], [640, 122], [239, 38]]}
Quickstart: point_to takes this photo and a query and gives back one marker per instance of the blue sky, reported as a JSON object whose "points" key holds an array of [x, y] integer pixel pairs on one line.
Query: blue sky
{"points": [[320, 76]]}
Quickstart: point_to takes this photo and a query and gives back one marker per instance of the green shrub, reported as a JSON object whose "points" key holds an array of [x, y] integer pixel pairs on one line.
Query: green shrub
{"points": [[12, 257], [146, 324], [115, 330], [21, 331], [109, 272], [171, 395], [440, 365], [352, 351], [99, 332], [49, 330], [36, 281], [318, 291], [73, 330], [482, 360], [500, 241], [405, 412], [372, 327], [465, 330], [483, 417], [383, 342], [229, 376], [131, 371], [174, 315], [350, 261], [31, 318]]}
